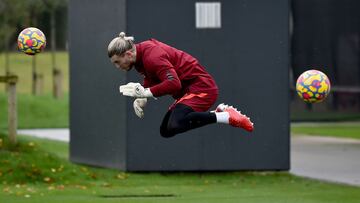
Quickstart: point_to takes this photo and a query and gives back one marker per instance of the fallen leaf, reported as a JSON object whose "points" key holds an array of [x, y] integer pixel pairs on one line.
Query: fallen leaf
{"points": [[47, 179], [121, 176], [31, 144]]}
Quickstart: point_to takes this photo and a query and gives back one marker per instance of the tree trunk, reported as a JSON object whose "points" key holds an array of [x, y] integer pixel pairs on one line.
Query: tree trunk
{"points": [[12, 112], [57, 91], [34, 77], [11, 81]]}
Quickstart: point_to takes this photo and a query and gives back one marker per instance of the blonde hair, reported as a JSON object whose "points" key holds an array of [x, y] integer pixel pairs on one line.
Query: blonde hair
{"points": [[120, 44]]}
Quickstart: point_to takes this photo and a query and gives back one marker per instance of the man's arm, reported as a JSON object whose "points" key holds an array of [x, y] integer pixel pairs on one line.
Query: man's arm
{"points": [[158, 63], [170, 83]]}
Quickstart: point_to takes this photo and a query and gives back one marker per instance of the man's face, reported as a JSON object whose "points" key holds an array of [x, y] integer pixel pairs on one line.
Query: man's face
{"points": [[124, 61]]}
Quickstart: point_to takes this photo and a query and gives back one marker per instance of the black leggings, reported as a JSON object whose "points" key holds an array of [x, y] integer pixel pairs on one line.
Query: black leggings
{"points": [[183, 118]]}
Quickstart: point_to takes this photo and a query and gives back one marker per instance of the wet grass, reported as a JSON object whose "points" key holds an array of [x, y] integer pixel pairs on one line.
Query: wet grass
{"points": [[38, 170], [37, 111], [334, 129]]}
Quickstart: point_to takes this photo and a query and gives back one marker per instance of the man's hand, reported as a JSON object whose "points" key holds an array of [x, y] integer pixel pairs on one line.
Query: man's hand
{"points": [[135, 90], [139, 105]]}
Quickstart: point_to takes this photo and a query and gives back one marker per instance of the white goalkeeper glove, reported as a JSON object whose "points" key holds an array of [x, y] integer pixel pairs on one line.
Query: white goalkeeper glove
{"points": [[135, 90], [139, 105]]}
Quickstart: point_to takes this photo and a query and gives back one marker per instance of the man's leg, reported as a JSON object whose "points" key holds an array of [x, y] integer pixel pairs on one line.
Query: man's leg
{"points": [[163, 127], [189, 112], [183, 118]]}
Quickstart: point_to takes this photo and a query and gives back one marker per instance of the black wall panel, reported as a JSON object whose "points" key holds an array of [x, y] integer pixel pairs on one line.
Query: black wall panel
{"points": [[247, 56]]}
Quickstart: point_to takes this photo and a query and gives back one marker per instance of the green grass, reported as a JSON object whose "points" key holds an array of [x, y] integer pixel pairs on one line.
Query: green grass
{"points": [[42, 111], [340, 129], [37, 170], [21, 65], [309, 116], [37, 111]]}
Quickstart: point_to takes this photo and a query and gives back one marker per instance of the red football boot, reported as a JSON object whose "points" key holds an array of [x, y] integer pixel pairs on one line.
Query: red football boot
{"points": [[236, 119]]}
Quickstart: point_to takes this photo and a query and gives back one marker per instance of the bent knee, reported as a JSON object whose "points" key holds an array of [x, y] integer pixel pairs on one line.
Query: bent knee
{"points": [[166, 133], [171, 130]]}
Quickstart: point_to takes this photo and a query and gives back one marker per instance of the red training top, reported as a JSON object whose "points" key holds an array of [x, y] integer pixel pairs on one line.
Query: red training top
{"points": [[167, 70]]}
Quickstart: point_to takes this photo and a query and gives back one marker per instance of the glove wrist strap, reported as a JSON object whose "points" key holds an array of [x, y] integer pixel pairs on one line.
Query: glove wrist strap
{"points": [[147, 93]]}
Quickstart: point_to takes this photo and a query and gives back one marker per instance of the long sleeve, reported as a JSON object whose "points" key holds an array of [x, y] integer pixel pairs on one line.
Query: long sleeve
{"points": [[170, 83], [159, 66]]}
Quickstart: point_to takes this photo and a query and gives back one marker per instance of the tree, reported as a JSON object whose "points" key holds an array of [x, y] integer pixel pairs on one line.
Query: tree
{"points": [[19, 14], [13, 11], [52, 6]]}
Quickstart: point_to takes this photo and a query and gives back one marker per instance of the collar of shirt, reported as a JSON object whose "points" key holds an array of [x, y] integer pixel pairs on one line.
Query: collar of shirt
{"points": [[138, 62], [138, 54]]}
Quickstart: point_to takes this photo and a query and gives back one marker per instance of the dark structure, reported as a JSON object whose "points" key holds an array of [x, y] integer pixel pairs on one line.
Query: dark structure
{"points": [[326, 36], [247, 53]]}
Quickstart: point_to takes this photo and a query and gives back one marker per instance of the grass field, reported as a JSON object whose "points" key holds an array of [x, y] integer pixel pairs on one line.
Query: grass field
{"points": [[334, 129], [37, 171], [42, 111], [307, 116], [21, 65], [37, 111]]}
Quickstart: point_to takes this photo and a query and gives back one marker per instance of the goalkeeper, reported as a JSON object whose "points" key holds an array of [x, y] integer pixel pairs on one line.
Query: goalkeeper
{"points": [[169, 71]]}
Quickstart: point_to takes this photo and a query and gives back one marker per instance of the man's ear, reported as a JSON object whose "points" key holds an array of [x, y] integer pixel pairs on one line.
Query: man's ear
{"points": [[128, 53]]}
